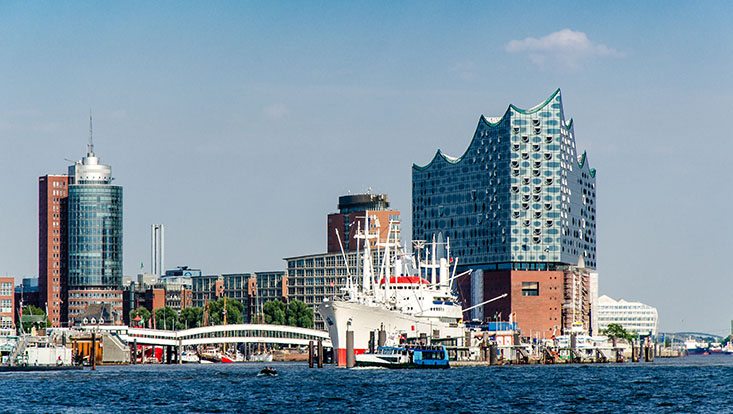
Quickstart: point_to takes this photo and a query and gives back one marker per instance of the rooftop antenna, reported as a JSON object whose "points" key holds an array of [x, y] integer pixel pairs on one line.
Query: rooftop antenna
{"points": [[90, 146]]}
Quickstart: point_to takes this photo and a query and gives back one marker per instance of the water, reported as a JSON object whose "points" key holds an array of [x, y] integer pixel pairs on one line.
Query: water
{"points": [[695, 384]]}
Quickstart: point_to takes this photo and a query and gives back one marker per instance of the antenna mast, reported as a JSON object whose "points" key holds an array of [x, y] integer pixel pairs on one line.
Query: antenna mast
{"points": [[90, 146]]}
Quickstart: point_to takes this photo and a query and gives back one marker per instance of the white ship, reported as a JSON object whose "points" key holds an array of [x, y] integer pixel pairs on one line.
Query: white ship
{"points": [[403, 300]]}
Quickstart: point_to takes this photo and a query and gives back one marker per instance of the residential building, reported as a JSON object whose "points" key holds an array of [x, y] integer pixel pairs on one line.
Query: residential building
{"points": [[519, 202], [7, 302], [152, 293], [52, 255], [632, 316], [94, 236], [250, 289]]}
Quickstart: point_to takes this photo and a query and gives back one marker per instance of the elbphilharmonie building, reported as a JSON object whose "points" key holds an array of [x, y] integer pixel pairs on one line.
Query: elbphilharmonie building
{"points": [[521, 197]]}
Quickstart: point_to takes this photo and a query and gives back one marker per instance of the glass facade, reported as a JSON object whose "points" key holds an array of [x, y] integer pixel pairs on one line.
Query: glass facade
{"points": [[520, 197], [95, 237]]}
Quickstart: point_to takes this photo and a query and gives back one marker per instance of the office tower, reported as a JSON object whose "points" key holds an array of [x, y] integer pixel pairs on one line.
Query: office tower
{"points": [[52, 283], [157, 249], [519, 203], [94, 228]]}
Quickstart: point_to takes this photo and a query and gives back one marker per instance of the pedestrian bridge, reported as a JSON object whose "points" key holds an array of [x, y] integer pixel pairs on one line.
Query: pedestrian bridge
{"points": [[218, 334]]}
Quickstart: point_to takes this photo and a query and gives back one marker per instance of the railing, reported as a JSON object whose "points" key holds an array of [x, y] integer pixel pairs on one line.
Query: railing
{"points": [[239, 333]]}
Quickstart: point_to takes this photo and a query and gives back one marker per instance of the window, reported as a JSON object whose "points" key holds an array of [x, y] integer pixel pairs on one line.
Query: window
{"points": [[530, 288]]}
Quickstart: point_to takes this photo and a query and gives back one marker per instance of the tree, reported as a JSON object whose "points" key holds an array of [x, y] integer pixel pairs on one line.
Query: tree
{"points": [[142, 312], [166, 318], [275, 312], [300, 314], [191, 317], [618, 331], [234, 311], [36, 322], [297, 313]]}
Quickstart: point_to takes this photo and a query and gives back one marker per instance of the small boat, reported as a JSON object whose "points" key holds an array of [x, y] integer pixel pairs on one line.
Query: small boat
{"points": [[405, 356], [267, 372], [189, 357]]}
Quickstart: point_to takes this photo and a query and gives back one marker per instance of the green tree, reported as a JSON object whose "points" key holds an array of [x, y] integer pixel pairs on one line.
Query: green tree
{"points": [[31, 318], [234, 311], [618, 331], [143, 313], [191, 317], [299, 314], [274, 312], [166, 318]]}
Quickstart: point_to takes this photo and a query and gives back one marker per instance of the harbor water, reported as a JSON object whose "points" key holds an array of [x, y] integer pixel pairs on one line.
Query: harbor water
{"points": [[694, 384]]}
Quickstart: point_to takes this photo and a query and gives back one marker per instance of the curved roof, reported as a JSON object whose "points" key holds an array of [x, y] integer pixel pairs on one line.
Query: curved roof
{"points": [[455, 160], [582, 161]]}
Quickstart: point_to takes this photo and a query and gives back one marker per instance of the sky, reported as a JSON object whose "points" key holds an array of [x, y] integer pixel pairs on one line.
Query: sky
{"points": [[238, 125]]}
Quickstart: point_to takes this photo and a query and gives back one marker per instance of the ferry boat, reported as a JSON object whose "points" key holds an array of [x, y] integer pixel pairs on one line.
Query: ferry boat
{"points": [[406, 356], [404, 300]]}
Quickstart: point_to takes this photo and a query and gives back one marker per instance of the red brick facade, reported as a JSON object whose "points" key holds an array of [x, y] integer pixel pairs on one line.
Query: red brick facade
{"points": [[7, 302], [348, 224], [52, 194], [539, 301]]}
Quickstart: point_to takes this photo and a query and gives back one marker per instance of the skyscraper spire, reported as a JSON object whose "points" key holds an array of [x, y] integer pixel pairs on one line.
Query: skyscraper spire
{"points": [[90, 145]]}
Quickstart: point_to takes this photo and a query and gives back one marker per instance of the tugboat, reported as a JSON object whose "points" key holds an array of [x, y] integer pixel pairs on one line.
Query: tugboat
{"points": [[405, 356]]}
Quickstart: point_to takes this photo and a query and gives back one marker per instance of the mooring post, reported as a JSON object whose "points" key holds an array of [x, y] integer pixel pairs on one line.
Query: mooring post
{"points": [[382, 337], [493, 358], [93, 356], [134, 352], [310, 354], [320, 353], [349, 349]]}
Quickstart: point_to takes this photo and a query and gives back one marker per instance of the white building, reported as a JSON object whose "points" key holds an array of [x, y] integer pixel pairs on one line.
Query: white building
{"points": [[633, 316]]}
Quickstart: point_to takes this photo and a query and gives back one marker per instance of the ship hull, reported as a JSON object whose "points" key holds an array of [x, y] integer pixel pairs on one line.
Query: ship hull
{"points": [[362, 319]]}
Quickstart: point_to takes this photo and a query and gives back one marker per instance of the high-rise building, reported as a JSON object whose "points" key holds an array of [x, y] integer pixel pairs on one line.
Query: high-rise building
{"points": [[94, 236], [352, 211], [157, 252], [520, 199], [52, 283]]}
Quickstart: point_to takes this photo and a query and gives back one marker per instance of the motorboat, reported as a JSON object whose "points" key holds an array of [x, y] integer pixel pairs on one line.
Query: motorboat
{"points": [[405, 356]]}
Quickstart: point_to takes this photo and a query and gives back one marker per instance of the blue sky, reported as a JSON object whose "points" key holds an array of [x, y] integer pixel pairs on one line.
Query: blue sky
{"points": [[238, 125]]}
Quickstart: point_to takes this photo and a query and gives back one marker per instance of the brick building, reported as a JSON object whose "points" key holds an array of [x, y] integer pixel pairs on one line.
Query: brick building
{"points": [[7, 302], [352, 211], [52, 255]]}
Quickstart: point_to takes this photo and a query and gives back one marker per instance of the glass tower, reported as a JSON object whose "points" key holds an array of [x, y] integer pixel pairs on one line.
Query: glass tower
{"points": [[94, 232], [519, 198]]}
